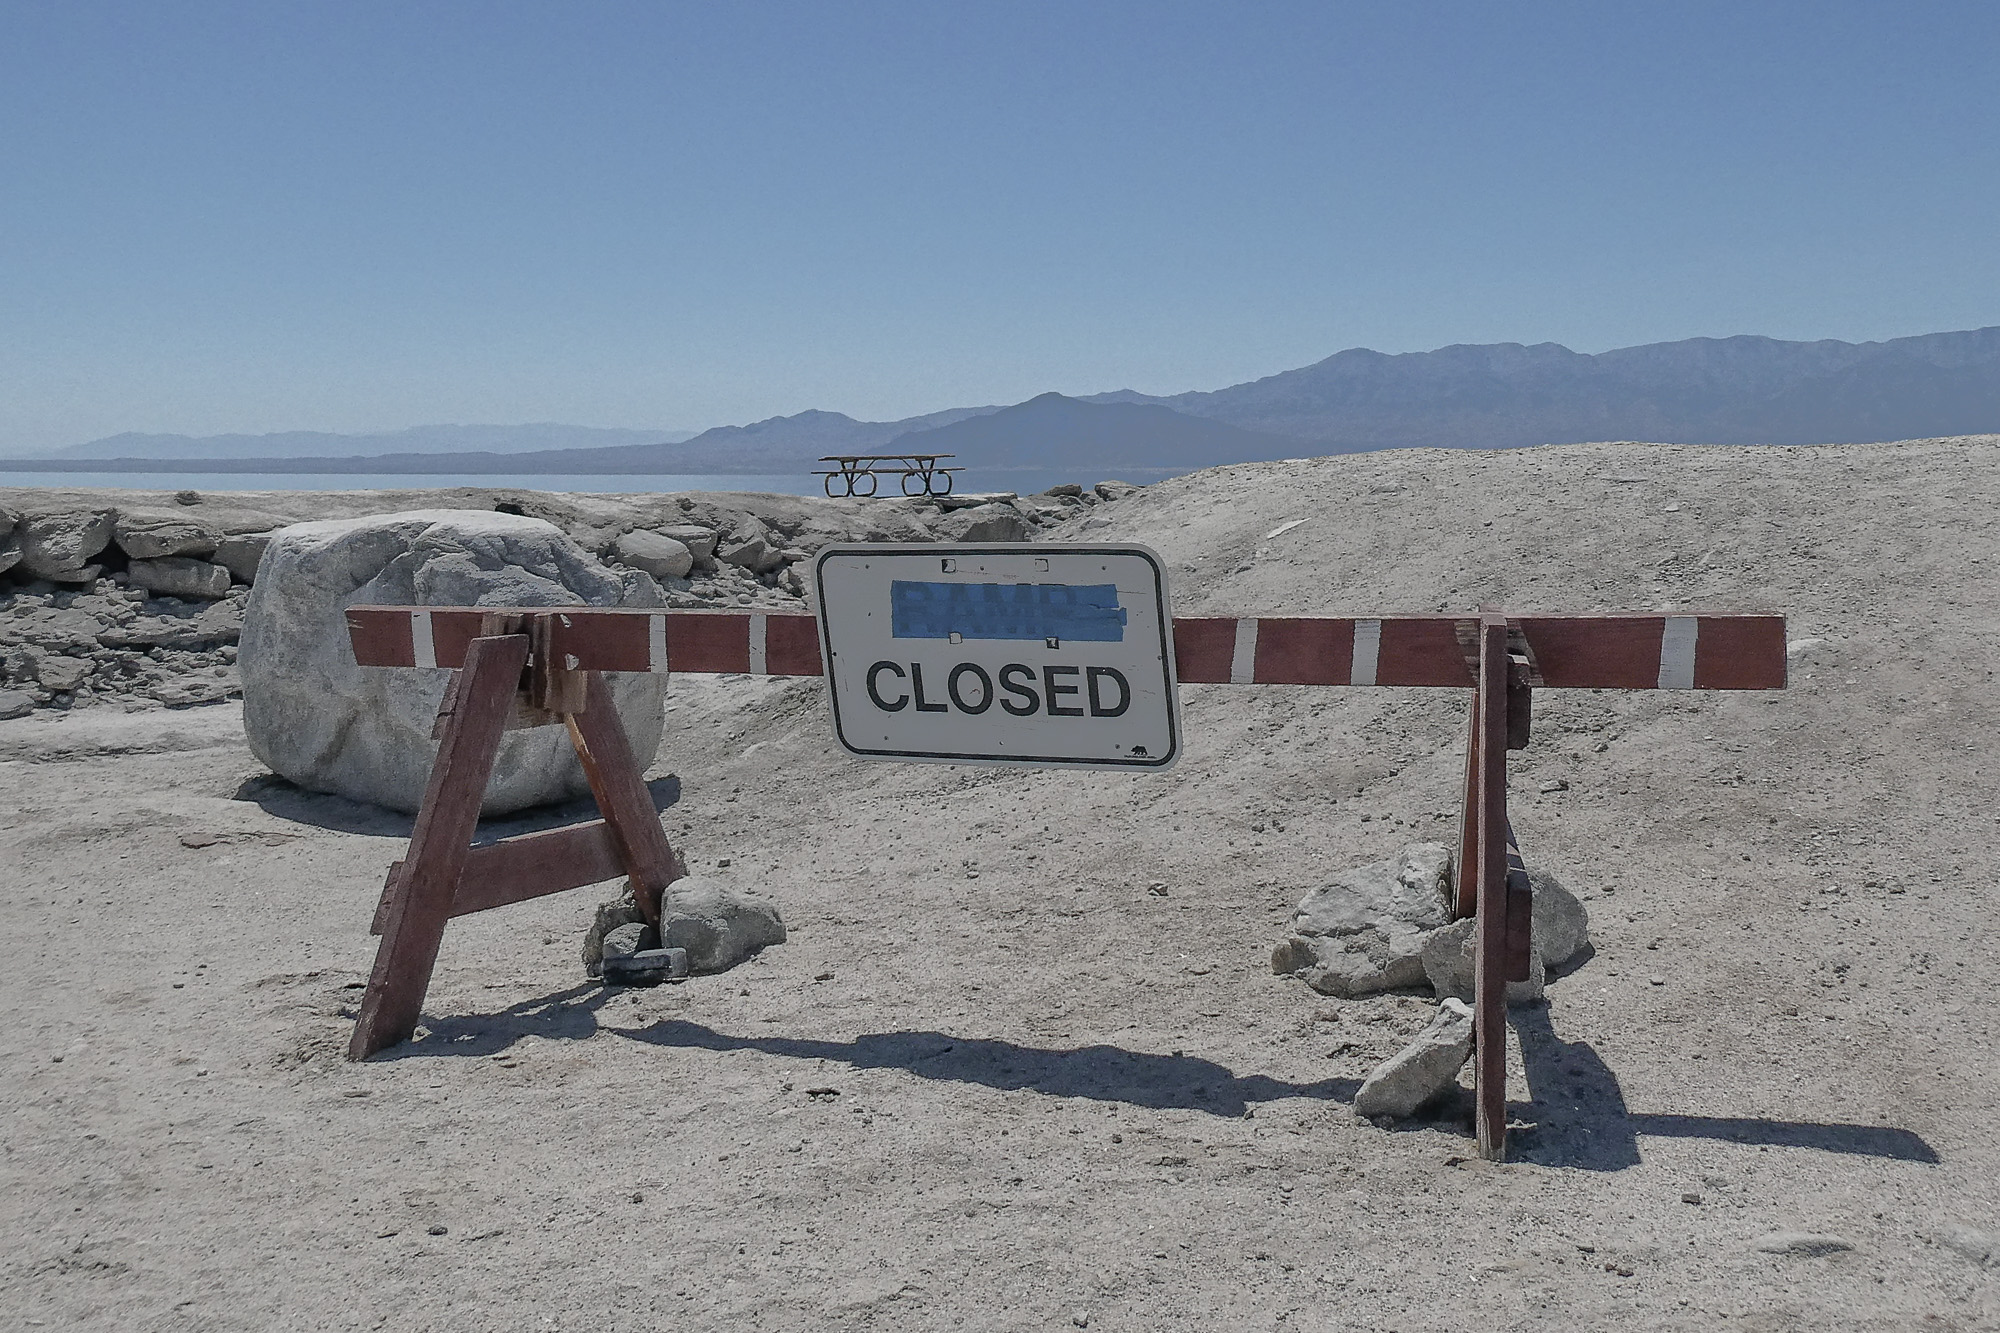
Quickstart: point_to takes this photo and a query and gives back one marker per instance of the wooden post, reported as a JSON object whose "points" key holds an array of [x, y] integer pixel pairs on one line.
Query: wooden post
{"points": [[442, 839], [1490, 967]]}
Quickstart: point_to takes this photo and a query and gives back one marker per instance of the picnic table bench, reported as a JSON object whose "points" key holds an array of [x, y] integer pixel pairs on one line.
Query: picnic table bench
{"points": [[854, 474]]}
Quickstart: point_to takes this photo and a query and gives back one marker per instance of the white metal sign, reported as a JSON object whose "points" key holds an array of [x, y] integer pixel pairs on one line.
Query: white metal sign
{"points": [[1036, 655]]}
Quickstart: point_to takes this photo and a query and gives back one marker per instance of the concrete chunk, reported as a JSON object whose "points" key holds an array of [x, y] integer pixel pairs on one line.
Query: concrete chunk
{"points": [[1423, 1069]]}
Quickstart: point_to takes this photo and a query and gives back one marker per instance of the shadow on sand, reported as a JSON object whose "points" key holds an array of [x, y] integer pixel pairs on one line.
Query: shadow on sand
{"points": [[1577, 1108], [1581, 1120], [1097, 1073], [288, 801], [565, 1015]]}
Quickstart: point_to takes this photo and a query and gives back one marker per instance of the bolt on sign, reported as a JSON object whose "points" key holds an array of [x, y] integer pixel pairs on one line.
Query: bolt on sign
{"points": [[1043, 656]]}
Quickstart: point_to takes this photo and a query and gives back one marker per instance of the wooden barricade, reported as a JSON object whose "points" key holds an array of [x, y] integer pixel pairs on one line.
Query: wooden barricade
{"points": [[513, 672], [524, 667]]}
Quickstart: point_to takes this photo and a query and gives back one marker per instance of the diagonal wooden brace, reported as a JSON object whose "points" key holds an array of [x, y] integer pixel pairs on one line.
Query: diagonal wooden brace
{"points": [[413, 927], [616, 781]]}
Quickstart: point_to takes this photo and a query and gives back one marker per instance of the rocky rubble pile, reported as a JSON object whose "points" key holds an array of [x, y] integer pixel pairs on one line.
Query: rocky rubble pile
{"points": [[1388, 926], [136, 598]]}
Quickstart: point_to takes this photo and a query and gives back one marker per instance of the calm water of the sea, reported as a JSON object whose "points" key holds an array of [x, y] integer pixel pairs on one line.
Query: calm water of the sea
{"points": [[1021, 481]]}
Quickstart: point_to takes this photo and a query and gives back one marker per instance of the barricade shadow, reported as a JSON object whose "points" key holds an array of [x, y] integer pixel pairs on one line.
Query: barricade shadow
{"points": [[288, 801], [565, 1015], [1095, 1073], [1581, 1119]]}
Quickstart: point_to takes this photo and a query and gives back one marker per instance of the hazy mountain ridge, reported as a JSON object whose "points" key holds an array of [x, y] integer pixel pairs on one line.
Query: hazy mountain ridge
{"points": [[777, 444], [1052, 431], [801, 438], [411, 440], [1740, 390]]}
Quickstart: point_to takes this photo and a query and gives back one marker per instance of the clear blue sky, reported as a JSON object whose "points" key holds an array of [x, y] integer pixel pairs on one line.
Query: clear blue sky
{"points": [[353, 215]]}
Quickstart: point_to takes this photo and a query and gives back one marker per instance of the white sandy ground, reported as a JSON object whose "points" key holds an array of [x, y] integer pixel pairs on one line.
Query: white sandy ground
{"points": [[1061, 1098]]}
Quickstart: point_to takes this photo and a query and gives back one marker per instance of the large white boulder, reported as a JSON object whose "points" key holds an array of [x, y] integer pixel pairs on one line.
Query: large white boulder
{"points": [[316, 718]]}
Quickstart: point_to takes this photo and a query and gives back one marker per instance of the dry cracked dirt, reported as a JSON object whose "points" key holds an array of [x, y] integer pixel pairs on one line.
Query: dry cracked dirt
{"points": [[1023, 1063]]}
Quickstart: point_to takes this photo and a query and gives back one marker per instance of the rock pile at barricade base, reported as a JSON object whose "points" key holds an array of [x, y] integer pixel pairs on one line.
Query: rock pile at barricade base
{"points": [[135, 598], [1388, 926], [316, 718], [717, 923], [1364, 931]]}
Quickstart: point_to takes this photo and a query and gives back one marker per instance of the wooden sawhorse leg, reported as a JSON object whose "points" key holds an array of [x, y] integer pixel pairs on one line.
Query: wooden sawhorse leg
{"points": [[439, 844]]}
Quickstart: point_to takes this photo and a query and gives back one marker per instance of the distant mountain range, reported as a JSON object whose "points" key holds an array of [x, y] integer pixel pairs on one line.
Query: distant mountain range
{"points": [[1700, 391], [414, 440], [1742, 390]]}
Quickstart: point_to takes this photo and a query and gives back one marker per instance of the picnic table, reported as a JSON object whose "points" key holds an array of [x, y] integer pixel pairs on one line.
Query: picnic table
{"points": [[854, 474]]}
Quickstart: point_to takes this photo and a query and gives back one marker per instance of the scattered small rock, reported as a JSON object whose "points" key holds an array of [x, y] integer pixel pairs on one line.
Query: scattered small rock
{"points": [[150, 536], [180, 576], [661, 556], [750, 547], [644, 967], [611, 917], [59, 547], [62, 673], [985, 523], [700, 542], [629, 938], [1981, 1247], [1561, 930], [241, 554]]}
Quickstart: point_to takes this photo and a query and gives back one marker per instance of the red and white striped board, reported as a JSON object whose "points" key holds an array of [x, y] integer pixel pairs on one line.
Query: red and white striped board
{"points": [[756, 643], [1612, 652], [1608, 652]]}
